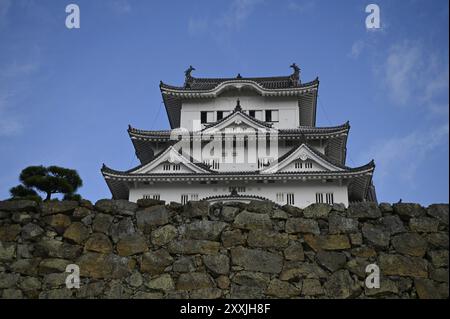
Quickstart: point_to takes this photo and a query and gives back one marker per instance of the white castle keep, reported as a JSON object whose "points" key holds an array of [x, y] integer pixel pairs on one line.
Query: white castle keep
{"points": [[242, 139]]}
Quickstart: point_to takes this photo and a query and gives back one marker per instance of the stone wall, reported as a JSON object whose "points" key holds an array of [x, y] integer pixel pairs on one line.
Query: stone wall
{"points": [[152, 250]]}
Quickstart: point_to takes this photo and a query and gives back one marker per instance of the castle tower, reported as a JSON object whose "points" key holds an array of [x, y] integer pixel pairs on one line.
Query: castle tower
{"points": [[241, 139]]}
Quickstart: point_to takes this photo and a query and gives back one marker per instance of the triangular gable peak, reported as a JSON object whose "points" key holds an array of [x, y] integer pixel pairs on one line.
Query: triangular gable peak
{"points": [[237, 122], [302, 159], [170, 161]]}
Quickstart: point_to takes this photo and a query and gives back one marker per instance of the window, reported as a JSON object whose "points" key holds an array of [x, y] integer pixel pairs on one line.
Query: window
{"points": [[152, 196], [298, 165], [187, 197], [176, 167], [213, 163], [330, 199], [263, 162], [202, 117], [290, 199], [319, 198], [271, 115], [280, 197], [308, 165], [206, 117], [256, 114], [239, 189], [222, 114], [166, 167]]}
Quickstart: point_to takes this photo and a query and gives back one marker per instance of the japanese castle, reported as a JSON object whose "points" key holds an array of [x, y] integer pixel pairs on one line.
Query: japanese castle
{"points": [[242, 139]]}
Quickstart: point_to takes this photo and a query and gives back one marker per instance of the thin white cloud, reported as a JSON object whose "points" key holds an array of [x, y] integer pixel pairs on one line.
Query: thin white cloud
{"points": [[302, 6], [13, 80], [411, 75], [121, 6], [402, 71], [401, 157], [9, 124], [16, 69], [238, 13], [5, 6], [197, 26], [357, 49], [415, 78], [222, 27]]}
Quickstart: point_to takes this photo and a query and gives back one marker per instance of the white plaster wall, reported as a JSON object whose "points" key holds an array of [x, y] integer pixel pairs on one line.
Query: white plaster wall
{"points": [[245, 159], [287, 106], [304, 191]]}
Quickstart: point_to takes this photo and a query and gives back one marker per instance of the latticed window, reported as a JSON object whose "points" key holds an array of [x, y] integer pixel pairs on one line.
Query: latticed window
{"points": [[263, 162], [319, 198], [166, 167], [271, 115], [280, 197], [330, 198], [214, 163], [256, 114], [206, 117], [184, 199], [290, 199], [222, 114], [152, 196], [239, 189]]}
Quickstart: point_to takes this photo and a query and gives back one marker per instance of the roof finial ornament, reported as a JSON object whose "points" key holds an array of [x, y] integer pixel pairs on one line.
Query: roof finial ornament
{"points": [[234, 192], [187, 73], [239, 76], [188, 77], [296, 75], [238, 106]]}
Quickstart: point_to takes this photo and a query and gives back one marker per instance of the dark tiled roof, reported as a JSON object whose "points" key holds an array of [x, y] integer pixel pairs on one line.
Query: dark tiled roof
{"points": [[271, 83], [128, 173], [316, 130], [307, 130], [132, 130]]}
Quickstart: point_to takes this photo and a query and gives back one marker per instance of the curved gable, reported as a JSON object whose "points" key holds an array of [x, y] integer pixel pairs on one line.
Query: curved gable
{"points": [[169, 161], [307, 159]]}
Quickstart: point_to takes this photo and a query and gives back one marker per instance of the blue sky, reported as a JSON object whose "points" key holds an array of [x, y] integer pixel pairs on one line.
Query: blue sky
{"points": [[67, 96]]}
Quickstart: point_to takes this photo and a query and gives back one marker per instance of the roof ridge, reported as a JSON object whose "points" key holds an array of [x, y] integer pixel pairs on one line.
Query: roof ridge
{"points": [[299, 129], [270, 83]]}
